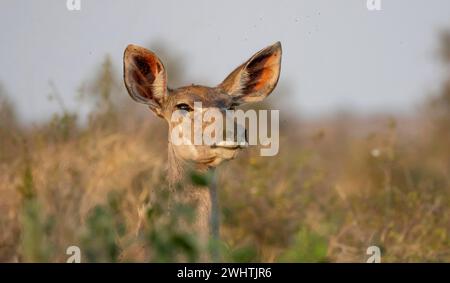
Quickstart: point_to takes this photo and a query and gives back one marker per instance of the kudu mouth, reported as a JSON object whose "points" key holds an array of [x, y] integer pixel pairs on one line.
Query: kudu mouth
{"points": [[233, 144], [230, 145]]}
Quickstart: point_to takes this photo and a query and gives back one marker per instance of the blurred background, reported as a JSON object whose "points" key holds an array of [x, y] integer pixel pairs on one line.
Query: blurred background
{"points": [[364, 100]]}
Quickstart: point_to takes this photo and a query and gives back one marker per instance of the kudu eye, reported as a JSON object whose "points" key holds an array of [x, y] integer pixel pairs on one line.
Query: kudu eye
{"points": [[184, 107]]}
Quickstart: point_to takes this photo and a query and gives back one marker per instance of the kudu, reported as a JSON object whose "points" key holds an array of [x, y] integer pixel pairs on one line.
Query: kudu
{"points": [[146, 81]]}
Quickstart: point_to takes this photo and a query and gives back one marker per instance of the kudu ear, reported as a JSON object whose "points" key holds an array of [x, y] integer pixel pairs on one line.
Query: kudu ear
{"points": [[255, 79], [145, 77]]}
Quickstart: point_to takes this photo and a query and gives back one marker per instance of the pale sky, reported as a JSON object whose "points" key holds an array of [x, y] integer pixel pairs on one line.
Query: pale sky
{"points": [[336, 54]]}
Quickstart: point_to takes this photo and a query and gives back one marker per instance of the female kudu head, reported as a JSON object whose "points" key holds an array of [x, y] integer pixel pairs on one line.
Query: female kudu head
{"points": [[146, 82]]}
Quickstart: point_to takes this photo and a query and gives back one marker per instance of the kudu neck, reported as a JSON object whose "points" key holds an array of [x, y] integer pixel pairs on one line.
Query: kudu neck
{"points": [[179, 170]]}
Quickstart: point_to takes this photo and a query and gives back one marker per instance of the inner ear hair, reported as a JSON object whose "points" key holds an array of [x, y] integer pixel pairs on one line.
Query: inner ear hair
{"points": [[145, 76], [257, 77]]}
